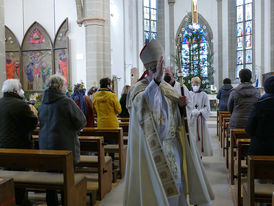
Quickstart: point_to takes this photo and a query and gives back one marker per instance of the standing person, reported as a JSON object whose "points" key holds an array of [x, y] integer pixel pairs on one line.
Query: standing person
{"points": [[105, 103], [260, 122], [154, 170], [17, 121], [83, 103], [91, 91], [123, 101], [169, 78], [224, 93], [198, 118], [60, 122], [241, 100]]}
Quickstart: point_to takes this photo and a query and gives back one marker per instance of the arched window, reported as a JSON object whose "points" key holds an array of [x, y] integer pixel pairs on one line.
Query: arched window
{"points": [[150, 19], [244, 30], [196, 57]]}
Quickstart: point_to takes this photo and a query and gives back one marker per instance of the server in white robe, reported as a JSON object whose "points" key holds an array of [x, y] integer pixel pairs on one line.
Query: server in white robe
{"points": [[169, 78], [198, 119], [161, 166]]}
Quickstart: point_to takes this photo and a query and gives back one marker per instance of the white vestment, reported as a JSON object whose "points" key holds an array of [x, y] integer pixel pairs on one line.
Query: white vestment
{"points": [[198, 123], [154, 168]]}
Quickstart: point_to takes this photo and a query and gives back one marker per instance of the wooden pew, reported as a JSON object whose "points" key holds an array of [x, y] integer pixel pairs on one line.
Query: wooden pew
{"points": [[115, 135], [242, 153], [235, 134], [7, 197], [224, 137], [259, 167], [221, 126], [73, 185], [219, 114], [123, 119], [273, 199], [101, 164]]}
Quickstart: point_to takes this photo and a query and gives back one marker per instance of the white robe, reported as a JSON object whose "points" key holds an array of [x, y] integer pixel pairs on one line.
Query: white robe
{"points": [[144, 183], [198, 123]]}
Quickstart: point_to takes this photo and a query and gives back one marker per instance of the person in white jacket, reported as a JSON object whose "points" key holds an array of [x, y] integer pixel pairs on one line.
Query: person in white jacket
{"points": [[198, 118]]}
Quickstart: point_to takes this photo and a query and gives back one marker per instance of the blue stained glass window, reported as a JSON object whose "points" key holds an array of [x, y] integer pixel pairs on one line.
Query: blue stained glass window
{"points": [[150, 19], [194, 51], [244, 32]]}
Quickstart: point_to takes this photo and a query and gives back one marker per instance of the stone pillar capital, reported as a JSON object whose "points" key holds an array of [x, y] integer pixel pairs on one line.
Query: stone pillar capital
{"points": [[171, 1], [92, 21]]}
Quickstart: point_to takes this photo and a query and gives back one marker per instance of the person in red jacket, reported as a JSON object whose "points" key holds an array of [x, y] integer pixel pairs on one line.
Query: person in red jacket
{"points": [[83, 103]]}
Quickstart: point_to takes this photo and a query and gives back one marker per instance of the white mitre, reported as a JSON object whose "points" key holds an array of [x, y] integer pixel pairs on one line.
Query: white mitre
{"points": [[151, 53]]}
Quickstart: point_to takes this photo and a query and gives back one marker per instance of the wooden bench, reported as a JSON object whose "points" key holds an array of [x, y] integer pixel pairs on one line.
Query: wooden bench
{"points": [[98, 164], [39, 161], [115, 135], [221, 127], [259, 167], [235, 134], [123, 119], [224, 134], [242, 154], [273, 199], [7, 197], [219, 114]]}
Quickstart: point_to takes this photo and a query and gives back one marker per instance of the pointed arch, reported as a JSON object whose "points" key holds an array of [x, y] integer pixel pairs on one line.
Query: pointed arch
{"points": [[61, 51], [207, 37], [13, 55], [37, 58]]}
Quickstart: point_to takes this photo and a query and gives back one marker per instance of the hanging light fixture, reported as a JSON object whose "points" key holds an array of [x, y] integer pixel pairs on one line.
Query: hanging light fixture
{"points": [[195, 14]]}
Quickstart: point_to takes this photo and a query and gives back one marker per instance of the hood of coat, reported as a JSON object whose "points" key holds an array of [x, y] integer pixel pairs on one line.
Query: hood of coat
{"points": [[102, 95], [246, 89], [51, 96], [227, 87]]}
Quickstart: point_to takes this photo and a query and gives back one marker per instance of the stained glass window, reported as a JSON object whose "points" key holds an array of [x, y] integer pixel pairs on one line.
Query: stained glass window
{"points": [[194, 52], [244, 30], [150, 19]]}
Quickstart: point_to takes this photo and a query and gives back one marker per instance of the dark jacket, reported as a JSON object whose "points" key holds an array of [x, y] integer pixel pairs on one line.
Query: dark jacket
{"points": [[240, 103], [223, 96], [60, 121], [260, 127], [16, 122], [123, 102]]}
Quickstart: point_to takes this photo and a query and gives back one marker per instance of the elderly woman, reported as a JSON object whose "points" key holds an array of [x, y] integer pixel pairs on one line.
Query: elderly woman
{"points": [[198, 118], [60, 121], [260, 122]]}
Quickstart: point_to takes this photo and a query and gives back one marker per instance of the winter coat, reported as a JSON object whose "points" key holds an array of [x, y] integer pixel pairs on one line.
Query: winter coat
{"points": [[223, 96], [89, 113], [240, 103], [16, 122], [105, 103], [123, 102], [260, 127], [60, 121]]}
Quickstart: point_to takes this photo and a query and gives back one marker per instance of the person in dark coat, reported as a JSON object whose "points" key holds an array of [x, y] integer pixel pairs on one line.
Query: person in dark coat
{"points": [[241, 100], [224, 93], [123, 101], [60, 121], [16, 123], [260, 124]]}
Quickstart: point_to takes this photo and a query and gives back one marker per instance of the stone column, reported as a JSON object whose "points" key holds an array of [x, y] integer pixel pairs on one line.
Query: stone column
{"points": [[220, 42], [97, 22], [262, 69], [2, 46], [171, 34]]}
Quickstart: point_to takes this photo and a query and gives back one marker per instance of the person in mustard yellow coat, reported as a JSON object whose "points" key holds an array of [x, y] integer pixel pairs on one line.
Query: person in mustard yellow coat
{"points": [[105, 103]]}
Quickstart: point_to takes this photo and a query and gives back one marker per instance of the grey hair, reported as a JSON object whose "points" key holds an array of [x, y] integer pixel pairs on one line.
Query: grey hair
{"points": [[56, 82], [10, 85]]}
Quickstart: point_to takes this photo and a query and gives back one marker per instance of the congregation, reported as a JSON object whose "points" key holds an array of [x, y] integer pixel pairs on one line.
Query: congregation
{"points": [[163, 156]]}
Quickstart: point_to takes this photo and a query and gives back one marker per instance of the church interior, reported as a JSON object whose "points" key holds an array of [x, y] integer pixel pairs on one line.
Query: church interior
{"points": [[87, 40]]}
